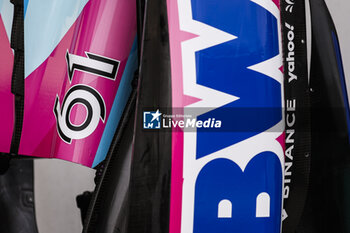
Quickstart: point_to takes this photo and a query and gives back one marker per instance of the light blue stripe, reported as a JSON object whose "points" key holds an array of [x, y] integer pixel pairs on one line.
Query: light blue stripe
{"points": [[25, 7], [6, 11], [45, 25], [119, 103]]}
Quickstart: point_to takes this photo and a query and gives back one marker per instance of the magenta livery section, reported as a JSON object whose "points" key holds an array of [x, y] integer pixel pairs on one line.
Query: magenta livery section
{"points": [[6, 61], [75, 62], [226, 62]]}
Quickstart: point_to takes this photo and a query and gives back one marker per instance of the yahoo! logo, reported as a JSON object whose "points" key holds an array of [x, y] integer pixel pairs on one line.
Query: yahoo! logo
{"points": [[290, 6], [233, 179]]}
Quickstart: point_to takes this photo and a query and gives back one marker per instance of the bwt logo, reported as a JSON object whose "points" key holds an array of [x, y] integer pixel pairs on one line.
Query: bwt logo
{"points": [[232, 181], [151, 120]]}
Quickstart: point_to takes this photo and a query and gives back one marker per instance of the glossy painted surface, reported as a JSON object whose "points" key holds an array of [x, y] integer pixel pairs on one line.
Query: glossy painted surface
{"points": [[55, 31], [226, 61], [46, 23], [6, 64], [119, 103]]}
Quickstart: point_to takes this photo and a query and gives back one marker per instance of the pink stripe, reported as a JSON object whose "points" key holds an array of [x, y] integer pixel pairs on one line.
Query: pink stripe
{"points": [[41, 91], [188, 100], [179, 101], [281, 69], [6, 97], [277, 3], [281, 139]]}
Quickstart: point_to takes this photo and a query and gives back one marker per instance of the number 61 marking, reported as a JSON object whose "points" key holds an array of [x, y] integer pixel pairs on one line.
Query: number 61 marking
{"points": [[83, 95]]}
